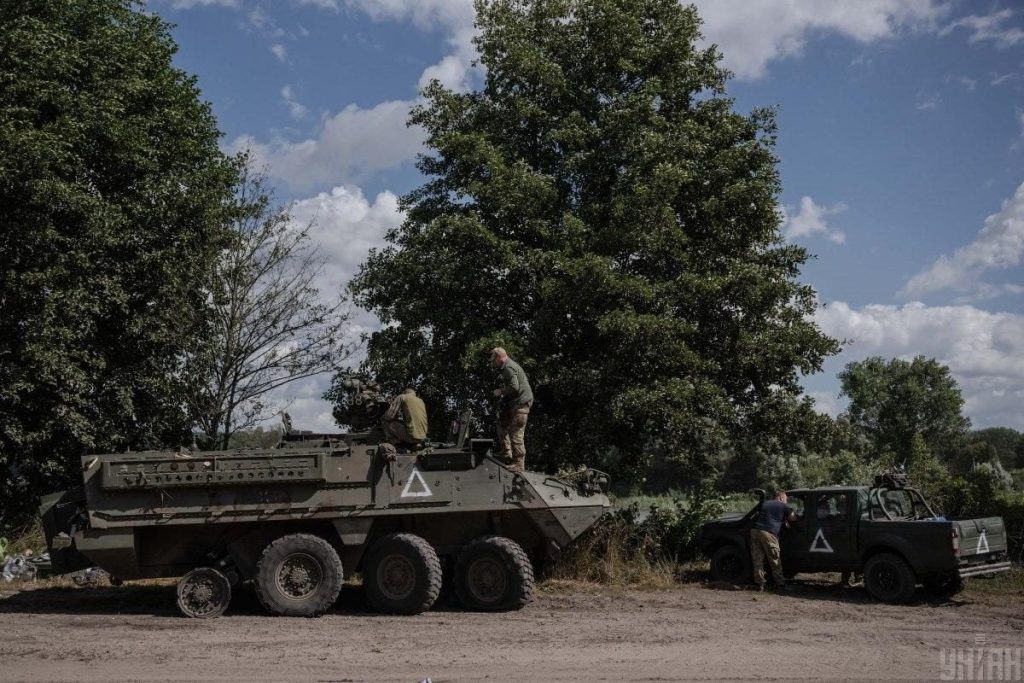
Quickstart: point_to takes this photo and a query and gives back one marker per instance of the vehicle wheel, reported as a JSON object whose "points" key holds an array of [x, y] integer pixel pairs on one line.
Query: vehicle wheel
{"points": [[945, 586], [299, 575], [889, 578], [402, 574], [731, 564], [203, 593], [493, 574]]}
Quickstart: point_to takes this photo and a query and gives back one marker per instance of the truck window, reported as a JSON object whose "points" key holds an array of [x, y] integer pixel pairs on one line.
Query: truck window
{"points": [[831, 506]]}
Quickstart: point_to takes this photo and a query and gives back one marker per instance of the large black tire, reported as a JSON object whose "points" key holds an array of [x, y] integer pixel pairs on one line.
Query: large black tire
{"points": [[732, 564], [203, 593], [402, 574], [889, 578], [299, 575], [945, 586], [494, 574]]}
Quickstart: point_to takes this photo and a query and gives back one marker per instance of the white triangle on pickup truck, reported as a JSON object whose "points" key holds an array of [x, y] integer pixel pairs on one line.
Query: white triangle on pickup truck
{"points": [[982, 542], [820, 544]]}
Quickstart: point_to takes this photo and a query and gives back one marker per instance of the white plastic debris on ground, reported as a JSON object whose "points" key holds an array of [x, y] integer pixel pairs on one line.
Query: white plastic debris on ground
{"points": [[24, 566]]}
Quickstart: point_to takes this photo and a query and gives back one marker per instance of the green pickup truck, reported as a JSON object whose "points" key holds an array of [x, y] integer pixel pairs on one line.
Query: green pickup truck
{"points": [[887, 532]]}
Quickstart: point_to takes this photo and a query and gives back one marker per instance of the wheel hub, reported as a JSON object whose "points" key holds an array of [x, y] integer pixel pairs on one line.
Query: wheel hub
{"points": [[396, 577], [203, 593], [486, 579], [299, 576]]}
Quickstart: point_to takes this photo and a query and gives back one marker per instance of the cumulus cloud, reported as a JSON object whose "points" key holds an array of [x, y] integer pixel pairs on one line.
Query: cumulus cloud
{"points": [[345, 226], [347, 147], [999, 245], [991, 28], [984, 350], [752, 34], [811, 220], [280, 51]]}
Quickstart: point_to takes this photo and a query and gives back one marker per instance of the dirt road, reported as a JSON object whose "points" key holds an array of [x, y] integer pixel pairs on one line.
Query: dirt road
{"points": [[567, 634]]}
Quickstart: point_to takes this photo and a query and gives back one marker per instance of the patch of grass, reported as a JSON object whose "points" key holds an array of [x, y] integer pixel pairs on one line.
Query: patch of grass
{"points": [[29, 537], [608, 559], [1003, 583]]}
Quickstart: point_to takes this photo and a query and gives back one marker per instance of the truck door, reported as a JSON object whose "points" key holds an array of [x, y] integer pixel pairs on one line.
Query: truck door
{"points": [[831, 541], [791, 540]]}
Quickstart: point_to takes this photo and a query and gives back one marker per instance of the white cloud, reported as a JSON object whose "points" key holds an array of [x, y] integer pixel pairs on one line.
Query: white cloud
{"points": [[296, 109], [999, 245], [984, 350], [927, 100], [752, 34], [349, 146], [345, 227], [989, 28], [811, 220], [279, 51]]}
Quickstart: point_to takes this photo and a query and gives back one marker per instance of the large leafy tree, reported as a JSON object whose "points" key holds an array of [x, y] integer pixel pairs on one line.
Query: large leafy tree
{"points": [[601, 210], [910, 410], [114, 192]]}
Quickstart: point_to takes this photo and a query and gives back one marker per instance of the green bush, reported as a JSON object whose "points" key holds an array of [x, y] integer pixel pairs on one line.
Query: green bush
{"points": [[631, 545]]}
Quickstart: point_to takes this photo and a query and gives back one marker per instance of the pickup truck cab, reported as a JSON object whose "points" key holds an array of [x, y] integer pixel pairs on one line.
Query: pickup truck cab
{"points": [[887, 532]]}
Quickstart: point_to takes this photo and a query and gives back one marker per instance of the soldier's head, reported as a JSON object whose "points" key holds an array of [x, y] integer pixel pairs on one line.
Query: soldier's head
{"points": [[498, 356], [781, 497], [409, 389]]}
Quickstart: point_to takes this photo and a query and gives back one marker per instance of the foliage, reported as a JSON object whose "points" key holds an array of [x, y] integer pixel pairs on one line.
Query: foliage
{"points": [[1007, 443], [114, 194], [601, 211], [906, 408], [271, 326], [629, 545]]}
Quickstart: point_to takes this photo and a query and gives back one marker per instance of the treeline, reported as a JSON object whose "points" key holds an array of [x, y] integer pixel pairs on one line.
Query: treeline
{"points": [[151, 291]]}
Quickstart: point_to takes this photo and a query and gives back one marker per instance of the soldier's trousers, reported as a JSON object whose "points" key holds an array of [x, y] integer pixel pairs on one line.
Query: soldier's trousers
{"points": [[511, 435], [764, 545]]}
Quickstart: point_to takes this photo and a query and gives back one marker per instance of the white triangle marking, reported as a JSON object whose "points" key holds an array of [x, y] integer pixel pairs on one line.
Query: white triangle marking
{"points": [[982, 543], [415, 475], [824, 547]]}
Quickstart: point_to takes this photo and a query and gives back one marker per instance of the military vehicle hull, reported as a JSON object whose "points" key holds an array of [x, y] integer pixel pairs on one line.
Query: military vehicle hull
{"points": [[337, 502]]}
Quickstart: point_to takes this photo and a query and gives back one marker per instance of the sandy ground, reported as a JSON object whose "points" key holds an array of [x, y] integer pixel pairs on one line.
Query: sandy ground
{"points": [[569, 633]]}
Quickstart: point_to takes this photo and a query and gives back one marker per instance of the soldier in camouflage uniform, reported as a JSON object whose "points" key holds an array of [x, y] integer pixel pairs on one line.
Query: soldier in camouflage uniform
{"points": [[516, 397], [405, 422]]}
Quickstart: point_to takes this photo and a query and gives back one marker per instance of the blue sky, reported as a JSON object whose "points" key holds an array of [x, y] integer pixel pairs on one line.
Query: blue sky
{"points": [[901, 138]]}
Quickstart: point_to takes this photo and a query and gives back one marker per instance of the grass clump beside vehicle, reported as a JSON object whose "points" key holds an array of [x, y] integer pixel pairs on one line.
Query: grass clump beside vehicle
{"points": [[644, 547]]}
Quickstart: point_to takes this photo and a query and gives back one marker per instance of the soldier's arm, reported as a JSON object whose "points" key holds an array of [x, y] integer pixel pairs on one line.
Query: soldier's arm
{"points": [[511, 382]]}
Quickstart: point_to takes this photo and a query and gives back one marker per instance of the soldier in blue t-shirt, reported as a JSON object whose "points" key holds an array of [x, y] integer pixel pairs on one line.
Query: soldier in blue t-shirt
{"points": [[764, 538]]}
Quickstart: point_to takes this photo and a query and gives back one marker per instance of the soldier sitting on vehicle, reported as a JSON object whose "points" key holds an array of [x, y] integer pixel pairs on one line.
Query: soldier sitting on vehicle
{"points": [[405, 422], [764, 539]]}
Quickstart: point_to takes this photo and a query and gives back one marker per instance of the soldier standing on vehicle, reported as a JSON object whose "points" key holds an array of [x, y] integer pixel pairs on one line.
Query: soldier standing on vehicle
{"points": [[764, 539], [405, 422], [516, 397]]}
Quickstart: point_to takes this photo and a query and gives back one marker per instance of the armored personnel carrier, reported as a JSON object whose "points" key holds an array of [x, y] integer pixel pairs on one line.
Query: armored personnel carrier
{"points": [[293, 519]]}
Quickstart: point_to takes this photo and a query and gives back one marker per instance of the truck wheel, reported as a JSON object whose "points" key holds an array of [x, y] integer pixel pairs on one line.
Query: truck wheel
{"points": [[889, 578], [493, 574], [946, 585], [203, 593], [402, 574], [730, 564], [299, 575]]}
